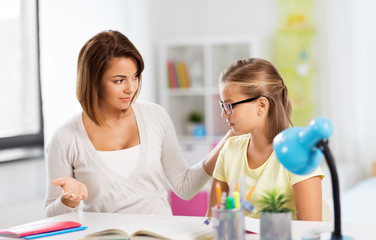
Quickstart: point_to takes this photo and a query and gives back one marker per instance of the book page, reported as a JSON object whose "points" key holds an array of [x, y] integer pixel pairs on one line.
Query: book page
{"points": [[175, 228], [108, 234]]}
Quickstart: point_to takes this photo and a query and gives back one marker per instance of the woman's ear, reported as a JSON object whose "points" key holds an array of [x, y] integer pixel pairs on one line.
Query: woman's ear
{"points": [[262, 106]]}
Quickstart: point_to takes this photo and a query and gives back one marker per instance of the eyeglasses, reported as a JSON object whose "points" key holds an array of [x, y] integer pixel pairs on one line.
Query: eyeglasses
{"points": [[227, 107]]}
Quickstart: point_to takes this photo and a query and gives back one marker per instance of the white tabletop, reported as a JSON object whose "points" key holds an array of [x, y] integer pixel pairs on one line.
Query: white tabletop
{"points": [[100, 221]]}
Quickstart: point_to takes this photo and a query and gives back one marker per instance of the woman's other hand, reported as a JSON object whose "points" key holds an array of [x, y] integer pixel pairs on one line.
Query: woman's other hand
{"points": [[73, 191]]}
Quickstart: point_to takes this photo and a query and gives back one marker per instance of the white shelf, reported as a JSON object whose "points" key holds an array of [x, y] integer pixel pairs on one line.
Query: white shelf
{"points": [[186, 91], [212, 56]]}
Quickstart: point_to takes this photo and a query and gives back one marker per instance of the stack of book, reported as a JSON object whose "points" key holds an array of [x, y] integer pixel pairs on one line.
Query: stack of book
{"points": [[38, 230], [177, 75]]}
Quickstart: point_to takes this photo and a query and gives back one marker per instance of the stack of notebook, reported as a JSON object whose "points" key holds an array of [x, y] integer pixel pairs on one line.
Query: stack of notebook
{"points": [[32, 231]]}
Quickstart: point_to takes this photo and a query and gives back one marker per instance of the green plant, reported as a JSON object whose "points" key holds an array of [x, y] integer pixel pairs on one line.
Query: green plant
{"points": [[274, 202], [195, 117]]}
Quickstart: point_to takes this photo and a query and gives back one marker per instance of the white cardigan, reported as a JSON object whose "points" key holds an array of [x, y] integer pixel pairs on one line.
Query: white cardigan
{"points": [[71, 153]]}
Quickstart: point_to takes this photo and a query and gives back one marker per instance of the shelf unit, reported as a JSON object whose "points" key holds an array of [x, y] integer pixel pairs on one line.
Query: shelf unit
{"points": [[205, 59]]}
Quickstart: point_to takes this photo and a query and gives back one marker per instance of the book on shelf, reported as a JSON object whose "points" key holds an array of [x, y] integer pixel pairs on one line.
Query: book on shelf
{"points": [[172, 77], [183, 78], [177, 76], [171, 228], [32, 231]]}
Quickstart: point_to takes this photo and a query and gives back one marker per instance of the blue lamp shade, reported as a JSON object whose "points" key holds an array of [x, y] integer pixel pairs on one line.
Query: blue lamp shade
{"points": [[296, 147]]}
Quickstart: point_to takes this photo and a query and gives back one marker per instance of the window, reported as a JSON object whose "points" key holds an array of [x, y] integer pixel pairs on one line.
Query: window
{"points": [[21, 123]]}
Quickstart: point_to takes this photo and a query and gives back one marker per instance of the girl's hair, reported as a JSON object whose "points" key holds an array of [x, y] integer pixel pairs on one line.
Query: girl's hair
{"points": [[92, 63], [257, 77]]}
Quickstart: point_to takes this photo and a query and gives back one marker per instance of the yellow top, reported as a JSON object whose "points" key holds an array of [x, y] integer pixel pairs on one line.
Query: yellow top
{"points": [[232, 165]]}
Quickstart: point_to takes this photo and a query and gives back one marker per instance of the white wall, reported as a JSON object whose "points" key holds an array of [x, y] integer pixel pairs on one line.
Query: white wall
{"points": [[197, 18]]}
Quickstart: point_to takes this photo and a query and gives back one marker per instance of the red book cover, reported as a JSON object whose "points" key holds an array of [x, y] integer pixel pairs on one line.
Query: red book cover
{"points": [[172, 75], [32, 229]]}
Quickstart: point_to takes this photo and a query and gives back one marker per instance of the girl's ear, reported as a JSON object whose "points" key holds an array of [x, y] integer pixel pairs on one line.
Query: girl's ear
{"points": [[262, 106]]}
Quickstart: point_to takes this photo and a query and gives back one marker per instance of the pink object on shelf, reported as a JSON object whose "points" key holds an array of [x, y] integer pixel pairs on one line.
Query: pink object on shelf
{"points": [[197, 206]]}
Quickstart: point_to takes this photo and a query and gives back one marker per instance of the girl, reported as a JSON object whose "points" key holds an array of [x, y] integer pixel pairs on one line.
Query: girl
{"points": [[256, 106]]}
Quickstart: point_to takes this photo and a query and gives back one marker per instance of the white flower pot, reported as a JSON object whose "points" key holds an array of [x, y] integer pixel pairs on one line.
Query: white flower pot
{"points": [[275, 226]]}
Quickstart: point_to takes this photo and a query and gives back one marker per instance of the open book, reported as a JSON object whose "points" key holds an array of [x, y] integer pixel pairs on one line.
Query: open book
{"points": [[176, 228]]}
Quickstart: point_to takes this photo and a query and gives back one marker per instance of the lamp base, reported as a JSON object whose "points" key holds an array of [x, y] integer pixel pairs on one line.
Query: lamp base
{"points": [[323, 233], [343, 238], [324, 238]]}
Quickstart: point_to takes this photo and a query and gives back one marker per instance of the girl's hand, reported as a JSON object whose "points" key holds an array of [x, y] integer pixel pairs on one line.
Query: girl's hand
{"points": [[73, 191]]}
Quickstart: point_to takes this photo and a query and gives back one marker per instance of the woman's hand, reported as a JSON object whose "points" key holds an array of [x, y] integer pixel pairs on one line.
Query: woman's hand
{"points": [[211, 159], [73, 191]]}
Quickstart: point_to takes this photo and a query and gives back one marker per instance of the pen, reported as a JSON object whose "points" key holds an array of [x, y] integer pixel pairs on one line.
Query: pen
{"points": [[223, 200], [236, 196], [242, 186], [250, 193], [247, 205], [207, 221], [219, 192], [230, 202]]}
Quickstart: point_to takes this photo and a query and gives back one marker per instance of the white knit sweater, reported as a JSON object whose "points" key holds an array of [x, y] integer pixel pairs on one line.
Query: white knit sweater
{"points": [[71, 153]]}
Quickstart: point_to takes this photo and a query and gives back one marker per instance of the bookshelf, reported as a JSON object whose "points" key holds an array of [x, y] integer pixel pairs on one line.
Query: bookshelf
{"points": [[204, 60]]}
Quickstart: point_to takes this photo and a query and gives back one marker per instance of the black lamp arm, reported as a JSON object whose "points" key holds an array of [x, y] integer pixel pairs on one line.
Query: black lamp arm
{"points": [[323, 146]]}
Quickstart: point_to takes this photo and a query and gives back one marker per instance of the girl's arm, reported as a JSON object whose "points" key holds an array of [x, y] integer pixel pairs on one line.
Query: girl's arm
{"points": [[308, 199], [213, 194]]}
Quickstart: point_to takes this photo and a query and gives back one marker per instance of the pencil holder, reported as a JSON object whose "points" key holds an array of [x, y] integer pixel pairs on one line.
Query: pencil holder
{"points": [[228, 224]]}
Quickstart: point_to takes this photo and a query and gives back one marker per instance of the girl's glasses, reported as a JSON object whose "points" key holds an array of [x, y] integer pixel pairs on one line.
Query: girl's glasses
{"points": [[227, 107]]}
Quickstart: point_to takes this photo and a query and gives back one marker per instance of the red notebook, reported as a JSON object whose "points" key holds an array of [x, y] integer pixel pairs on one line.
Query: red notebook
{"points": [[31, 229]]}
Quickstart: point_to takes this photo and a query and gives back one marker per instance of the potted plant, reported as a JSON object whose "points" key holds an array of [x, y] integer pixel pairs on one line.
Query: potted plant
{"points": [[195, 126], [275, 217]]}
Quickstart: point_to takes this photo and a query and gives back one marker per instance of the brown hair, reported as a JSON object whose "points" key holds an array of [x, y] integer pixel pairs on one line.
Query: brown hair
{"points": [[258, 77], [92, 63]]}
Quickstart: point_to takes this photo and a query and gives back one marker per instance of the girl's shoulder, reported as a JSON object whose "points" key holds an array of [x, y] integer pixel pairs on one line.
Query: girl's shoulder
{"points": [[238, 140]]}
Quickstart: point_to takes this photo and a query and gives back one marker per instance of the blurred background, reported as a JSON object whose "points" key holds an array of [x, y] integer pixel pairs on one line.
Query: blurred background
{"points": [[324, 50]]}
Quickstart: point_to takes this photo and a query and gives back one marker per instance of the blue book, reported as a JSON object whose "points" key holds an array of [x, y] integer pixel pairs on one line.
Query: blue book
{"points": [[56, 232]]}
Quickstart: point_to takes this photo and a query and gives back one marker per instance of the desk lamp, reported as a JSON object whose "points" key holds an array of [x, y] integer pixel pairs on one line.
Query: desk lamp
{"points": [[301, 150]]}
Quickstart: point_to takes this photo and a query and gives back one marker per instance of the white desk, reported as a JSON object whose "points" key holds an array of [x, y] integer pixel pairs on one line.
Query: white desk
{"points": [[99, 221]]}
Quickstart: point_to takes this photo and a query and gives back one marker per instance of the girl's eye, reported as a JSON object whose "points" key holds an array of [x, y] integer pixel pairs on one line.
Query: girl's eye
{"points": [[118, 81]]}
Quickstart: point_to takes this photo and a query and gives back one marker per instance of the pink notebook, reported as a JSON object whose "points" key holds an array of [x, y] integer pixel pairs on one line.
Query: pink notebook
{"points": [[32, 229]]}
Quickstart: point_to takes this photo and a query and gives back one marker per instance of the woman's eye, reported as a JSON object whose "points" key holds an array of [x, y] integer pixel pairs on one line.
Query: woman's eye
{"points": [[118, 81]]}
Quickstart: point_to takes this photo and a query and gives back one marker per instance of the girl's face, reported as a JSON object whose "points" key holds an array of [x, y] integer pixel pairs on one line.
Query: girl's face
{"points": [[119, 84], [244, 117]]}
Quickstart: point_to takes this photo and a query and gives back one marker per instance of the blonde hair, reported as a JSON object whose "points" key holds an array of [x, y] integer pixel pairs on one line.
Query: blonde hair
{"points": [[257, 77], [92, 63]]}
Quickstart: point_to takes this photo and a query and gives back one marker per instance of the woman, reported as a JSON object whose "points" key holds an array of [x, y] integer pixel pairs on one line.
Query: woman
{"points": [[116, 155]]}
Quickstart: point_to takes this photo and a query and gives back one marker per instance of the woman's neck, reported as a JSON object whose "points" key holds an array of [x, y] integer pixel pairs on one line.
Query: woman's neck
{"points": [[113, 117]]}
